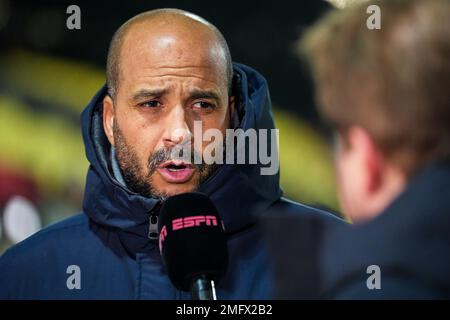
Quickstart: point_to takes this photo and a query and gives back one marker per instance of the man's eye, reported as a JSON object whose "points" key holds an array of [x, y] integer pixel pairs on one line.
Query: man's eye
{"points": [[203, 105], [150, 104]]}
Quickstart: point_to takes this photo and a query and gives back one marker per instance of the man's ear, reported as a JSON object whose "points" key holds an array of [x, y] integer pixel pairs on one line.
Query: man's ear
{"points": [[231, 106], [108, 118], [370, 156]]}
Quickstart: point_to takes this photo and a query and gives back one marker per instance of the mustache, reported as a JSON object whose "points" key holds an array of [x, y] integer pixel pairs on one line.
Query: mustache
{"points": [[165, 154]]}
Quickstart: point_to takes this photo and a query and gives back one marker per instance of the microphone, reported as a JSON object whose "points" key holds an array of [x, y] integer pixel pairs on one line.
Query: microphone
{"points": [[193, 244]]}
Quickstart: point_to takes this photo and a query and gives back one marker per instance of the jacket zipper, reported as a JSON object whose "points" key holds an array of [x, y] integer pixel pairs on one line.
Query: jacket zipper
{"points": [[153, 232]]}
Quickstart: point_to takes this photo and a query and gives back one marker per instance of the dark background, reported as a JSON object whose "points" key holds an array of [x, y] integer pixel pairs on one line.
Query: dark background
{"points": [[261, 34]]}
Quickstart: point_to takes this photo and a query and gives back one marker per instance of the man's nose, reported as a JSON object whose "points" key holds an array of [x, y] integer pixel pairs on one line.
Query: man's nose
{"points": [[177, 130]]}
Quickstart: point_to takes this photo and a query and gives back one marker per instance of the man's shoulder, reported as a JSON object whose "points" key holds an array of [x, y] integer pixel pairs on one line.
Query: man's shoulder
{"points": [[40, 266], [58, 235], [289, 207]]}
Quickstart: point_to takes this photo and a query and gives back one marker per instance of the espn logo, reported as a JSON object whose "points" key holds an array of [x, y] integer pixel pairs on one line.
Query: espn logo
{"points": [[187, 222], [194, 221]]}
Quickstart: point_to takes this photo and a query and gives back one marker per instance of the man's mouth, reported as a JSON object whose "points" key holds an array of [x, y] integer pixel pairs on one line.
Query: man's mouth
{"points": [[176, 171]]}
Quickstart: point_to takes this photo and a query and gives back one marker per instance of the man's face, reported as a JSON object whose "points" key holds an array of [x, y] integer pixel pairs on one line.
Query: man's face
{"points": [[166, 83]]}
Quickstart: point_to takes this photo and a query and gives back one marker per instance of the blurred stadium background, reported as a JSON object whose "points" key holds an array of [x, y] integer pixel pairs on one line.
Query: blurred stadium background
{"points": [[49, 73]]}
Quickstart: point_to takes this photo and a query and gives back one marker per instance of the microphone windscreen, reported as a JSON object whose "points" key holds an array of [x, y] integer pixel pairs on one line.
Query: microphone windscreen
{"points": [[192, 239]]}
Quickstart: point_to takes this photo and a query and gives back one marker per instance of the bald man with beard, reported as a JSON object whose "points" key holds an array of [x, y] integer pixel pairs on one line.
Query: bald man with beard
{"points": [[166, 69]]}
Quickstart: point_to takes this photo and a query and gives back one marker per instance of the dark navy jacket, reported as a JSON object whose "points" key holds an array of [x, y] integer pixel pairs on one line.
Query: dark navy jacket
{"points": [[109, 240], [409, 242]]}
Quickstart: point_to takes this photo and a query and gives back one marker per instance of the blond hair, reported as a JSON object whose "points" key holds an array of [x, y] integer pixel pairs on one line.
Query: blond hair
{"points": [[393, 82]]}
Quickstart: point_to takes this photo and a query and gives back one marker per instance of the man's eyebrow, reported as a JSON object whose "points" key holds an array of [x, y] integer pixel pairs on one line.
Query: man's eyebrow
{"points": [[147, 93], [204, 94]]}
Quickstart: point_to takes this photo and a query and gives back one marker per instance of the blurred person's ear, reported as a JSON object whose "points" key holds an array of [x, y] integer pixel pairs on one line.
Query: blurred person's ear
{"points": [[369, 157], [357, 171], [367, 179], [108, 118]]}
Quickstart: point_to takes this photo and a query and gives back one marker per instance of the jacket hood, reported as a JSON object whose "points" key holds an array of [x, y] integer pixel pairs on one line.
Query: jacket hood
{"points": [[239, 192]]}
